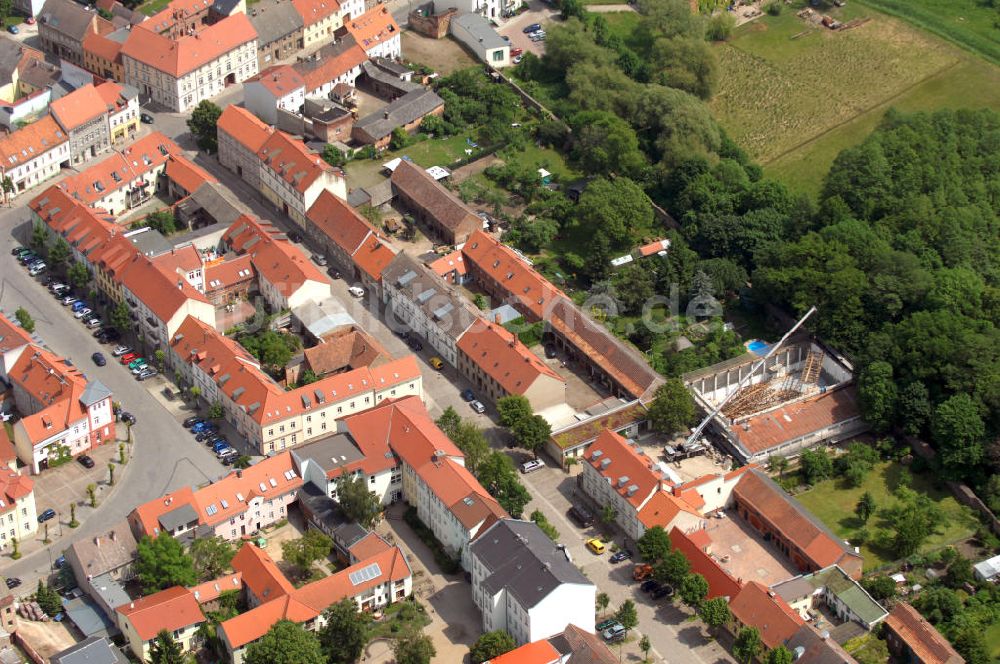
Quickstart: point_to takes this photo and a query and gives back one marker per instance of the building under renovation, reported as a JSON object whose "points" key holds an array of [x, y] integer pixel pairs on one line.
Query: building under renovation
{"points": [[802, 396]]}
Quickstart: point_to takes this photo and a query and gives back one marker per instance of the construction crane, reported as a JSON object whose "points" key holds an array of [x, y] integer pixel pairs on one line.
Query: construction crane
{"points": [[708, 418]]}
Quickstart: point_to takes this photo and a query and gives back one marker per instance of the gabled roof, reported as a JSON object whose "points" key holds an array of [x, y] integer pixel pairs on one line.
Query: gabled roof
{"points": [[54, 384], [148, 514], [12, 336], [920, 636], [444, 206], [276, 22], [720, 583], [770, 614], [373, 28], [177, 57], [663, 508], [292, 161], [536, 652], [787, 516], [68, 18], [522, 560], [502, 357], [245, 127], [452, 313], [261, 574], [276, 259], [631, 474], [314, 11], [210, 591], [171, 609], [338, 221], [30, 142], [187, 174], [330, 63], [771, 428], [13, 487], [279, 80], [162, 295], [78, 107], [225, 274], [102, 47], [582, 646], [109, 550]]}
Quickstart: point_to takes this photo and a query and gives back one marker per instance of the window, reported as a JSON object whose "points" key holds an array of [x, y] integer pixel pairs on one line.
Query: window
{"points": [[497, 56]]}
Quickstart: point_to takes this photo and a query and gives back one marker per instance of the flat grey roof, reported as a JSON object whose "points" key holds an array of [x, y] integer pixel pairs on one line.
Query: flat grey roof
{"points": [[480, 29]]}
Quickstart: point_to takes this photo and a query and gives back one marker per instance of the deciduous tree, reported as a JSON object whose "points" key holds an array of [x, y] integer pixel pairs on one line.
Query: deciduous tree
{"points": [[286, 643], [748, 644], [672, 569], [161, 562], [715, 612], [693, 590], [211, 556], [491, 645], [304, 551], [673, 407], [627, 615], [654, 545], [203, 122], [414, 649], [165, 650], [345, 634], [357, 500]]}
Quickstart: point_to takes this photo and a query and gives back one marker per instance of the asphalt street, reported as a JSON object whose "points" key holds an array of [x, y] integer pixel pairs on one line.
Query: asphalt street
{"points": [[164, 458]]}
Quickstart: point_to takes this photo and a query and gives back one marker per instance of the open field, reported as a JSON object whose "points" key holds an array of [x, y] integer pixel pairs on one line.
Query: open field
{"points": [[794, 96], [442, 55], [993, 640], [833, 502], [967, 23]]}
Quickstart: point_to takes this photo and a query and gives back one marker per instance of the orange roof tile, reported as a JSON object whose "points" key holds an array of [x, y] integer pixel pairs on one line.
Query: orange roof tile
{"points": [[536, 652], [245, 127], [147, 516], [330, 66], [279, 80], [654, 247], [177, 57], [228, 273], [612, 457], [292, 161], [275, 258], [171, 609], [113, 96], [314, 11], [785, 515], [11, 336], [56, 385], [797, 419], [373, 27], [772, 616], [218, 502], [926, 642], [78, 107], [13, 485], [211, 590], [693, 546], [374, 257], [504, 358], [339, 222], [121, 168], [261, 574], [368, 546], [7, 452], [187, 174], [102, 47], [178, 261], [30, 142], [663, 508], [445, 265], [163, 295]]}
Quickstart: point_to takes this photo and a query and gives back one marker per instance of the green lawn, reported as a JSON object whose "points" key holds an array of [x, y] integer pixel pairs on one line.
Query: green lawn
{"points": [[967, 23], [794, 96], [833, 502], [622, 24], [993, 640], [153, 6]]}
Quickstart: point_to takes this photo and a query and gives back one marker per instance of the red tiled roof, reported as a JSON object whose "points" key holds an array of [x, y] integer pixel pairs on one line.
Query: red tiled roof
{"points": [[797, 419], [314, 11], [228, 273], [663, 508], [245, 127], [339, 222], [162, 295], [78, 107], [171, 609], [654, 247], [613, 458], [536, 652], [187, 174], [445, 265], [179, 261], [102, 47], [274, 476], [29, 142], [147, 516], [13, 485], [373, 27], [772, 616], [279, 80], [368, 546], [11, 336], [275, 258], [504, 358], [177, 57], [926, 642], [210, 591], [316, 74], [292, 161], [720, 583], [261, 574], [787, 516], [7, 453], [56, 385]]}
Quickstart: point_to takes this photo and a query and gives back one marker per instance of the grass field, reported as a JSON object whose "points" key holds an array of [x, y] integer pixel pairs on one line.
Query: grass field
{"points": [[967, 23], [993, 640], [833, 503], [794, 96]]}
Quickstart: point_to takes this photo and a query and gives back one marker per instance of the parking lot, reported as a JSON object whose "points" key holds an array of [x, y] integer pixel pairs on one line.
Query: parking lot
{"points": [[674, 638], [538, 12]]}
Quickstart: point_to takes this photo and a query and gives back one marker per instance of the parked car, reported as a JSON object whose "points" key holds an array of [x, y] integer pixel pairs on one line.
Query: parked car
{"points": [[127, 357], [110, 334], [26, 257], [204, 426], [356, 291], [85, 461], [68, 300], [36, 269], [319, 259], [514, 52], [77, 305], [128, 418], [46, 515], [583, 518], [204, 436], [17, 251], [606, 623], [534, 27], [98, 359], [614, 633], [13, 582], [146, 118], [641, 572], [56, 285], [216, 437], [478, 406], [414, 344], [60, 562], [80, 313], [30, 20], [193, 420], [92, 322], [550, 351], [12, 29], [468, 395], [147, 372], [517, 59], [219, 446], [137, 363], [531, 466], [649, 585], [596, 545], [228, 454], [121, 349], [619, 556], [436, 362], [663, 591]]}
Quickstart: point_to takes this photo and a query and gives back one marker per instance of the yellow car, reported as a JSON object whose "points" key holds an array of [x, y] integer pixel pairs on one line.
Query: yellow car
{"points": [[595, 545], [437, 363]]}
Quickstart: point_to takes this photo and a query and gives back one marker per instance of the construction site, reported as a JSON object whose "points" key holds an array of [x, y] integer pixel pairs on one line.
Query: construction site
{"points": [[800, 396]]}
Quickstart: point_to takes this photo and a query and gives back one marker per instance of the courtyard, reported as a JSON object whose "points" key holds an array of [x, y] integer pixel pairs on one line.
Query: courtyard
{"points": [[742, 552]]}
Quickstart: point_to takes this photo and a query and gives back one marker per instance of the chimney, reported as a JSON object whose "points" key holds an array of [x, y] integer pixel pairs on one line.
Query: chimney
{"points": [[131, 605], [385, 114], [496, 319], [239, 473], [113, 535]]}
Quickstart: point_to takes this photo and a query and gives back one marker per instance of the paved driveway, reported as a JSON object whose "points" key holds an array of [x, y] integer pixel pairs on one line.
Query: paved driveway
{"points": [[164, 456], [538, 12], [674, 639]]}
